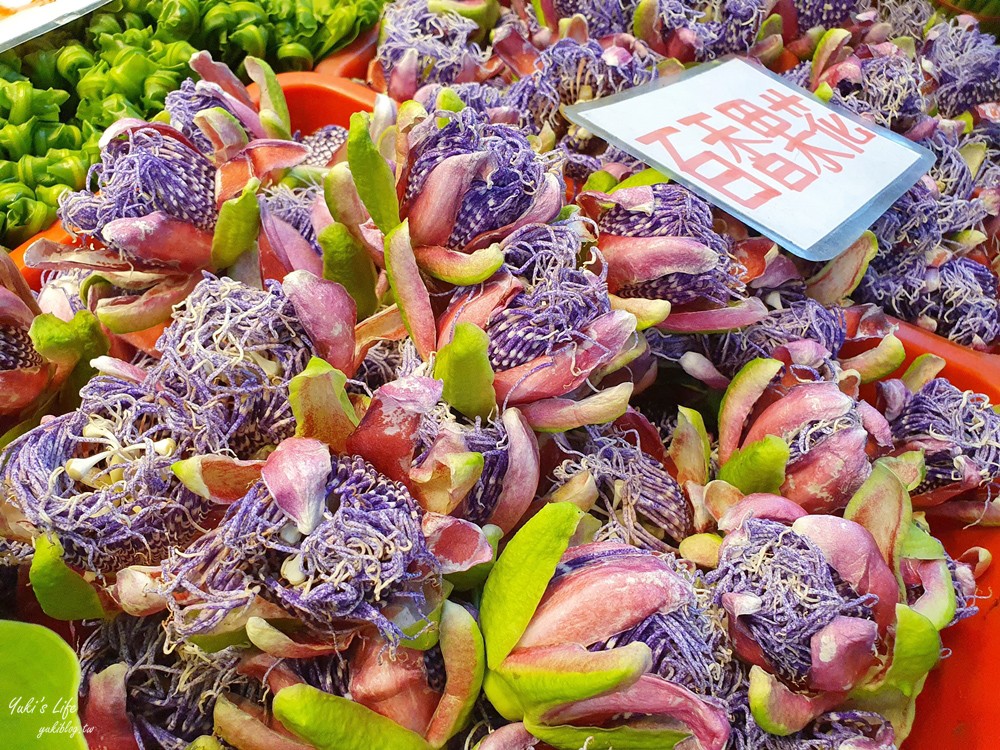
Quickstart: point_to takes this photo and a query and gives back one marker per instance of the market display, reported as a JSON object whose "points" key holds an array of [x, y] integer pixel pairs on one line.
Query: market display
{"points": [[458, 427]]}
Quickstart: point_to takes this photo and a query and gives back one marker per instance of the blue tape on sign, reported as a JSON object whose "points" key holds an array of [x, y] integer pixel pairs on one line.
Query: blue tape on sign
{"points": [[810, 176]]}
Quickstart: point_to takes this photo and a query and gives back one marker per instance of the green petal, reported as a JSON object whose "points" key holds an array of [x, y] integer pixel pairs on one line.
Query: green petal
{"points": [[39, 675], [374, 180], [68, 342], [520, 576], [619, 738], [543, 678], [882, 505], [920, 545], [321, 406], [600, 181], [690, 448], [648, 176], [464, 366], [748, 385], [346, 261], [62, 592], [329, 722], [758, 467], [238, 226], [273, 108]]}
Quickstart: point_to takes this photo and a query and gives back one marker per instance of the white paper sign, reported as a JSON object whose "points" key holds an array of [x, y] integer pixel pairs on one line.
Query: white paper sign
{"points": [[810, 177]]}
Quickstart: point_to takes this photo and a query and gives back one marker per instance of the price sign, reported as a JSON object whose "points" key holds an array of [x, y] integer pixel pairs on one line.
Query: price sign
{"points": [[809, 176]]}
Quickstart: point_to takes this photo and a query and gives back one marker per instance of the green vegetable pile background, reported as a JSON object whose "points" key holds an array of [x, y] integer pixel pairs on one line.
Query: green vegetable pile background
{"points": [[59, 92]]}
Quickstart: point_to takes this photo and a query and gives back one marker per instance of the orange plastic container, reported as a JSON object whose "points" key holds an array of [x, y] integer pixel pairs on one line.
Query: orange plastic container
{"points": [[316, 100], [352, 61], [967, 369], [32, 275], [958, 708]]}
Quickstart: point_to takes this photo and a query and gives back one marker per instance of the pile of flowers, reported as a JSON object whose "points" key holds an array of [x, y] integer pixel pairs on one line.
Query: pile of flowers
{"points": [[895, 63], [381, 438]]}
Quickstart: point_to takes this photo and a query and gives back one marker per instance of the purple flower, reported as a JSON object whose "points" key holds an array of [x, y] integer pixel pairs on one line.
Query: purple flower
{"points": [[549, 317], [603, 18], [504, 188], [419, 46], [367, 550], [964, 63], [169, 695], [636, 492], [826, 14], [912, 221], [796, 593], [806, 319], [957, 300], [958, 431], [232, 350], [830, 731], [888, 91], [145, 172], [736, 23], [570, 71], [673, 211], [906, 17]]}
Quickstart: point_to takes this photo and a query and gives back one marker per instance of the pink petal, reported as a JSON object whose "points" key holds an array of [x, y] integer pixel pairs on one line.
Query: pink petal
{"points": [[851, 550], [411, 293], [137, 591], [458, 545], [304, 645], [562, 414], [283, 249], [509, 737], [161, 240], [632, 260], [803, 403], [48, 255], [740, 315], [523, 472], [20, 388], [328, 315], [599, 600], [130, 313], [433, 213], [825, 478], [130, 124], [386, 435], [568, 367], [296, 474], [652, 696], [13, 311], [118, 369], [394, 687], [760, 505], [220, 74], [842, 653], [103, 712]]}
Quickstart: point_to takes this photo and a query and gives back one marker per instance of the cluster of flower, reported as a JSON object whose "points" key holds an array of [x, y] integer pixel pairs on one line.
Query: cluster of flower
{"points": [[412, 462], [894, 63]]}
